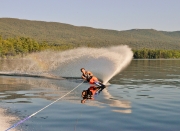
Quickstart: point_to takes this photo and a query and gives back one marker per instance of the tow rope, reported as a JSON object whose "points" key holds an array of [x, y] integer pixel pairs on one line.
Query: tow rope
{"points": [[21, 121]]}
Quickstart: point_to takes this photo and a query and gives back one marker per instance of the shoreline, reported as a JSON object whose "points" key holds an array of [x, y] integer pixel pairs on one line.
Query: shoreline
{"points": [[6, 120]]}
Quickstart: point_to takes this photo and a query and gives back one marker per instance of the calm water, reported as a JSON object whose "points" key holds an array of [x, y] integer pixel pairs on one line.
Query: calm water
{"points": [[144, 97]]}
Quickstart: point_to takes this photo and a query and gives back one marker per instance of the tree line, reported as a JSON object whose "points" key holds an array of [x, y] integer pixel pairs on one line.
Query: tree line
{"points": [[22, 46], [156, 54]]}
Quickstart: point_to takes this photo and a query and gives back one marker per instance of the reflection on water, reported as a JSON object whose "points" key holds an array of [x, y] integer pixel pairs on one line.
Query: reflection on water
{"points": [[23, 90], [14, 88], [92, 93], [123, 105]]}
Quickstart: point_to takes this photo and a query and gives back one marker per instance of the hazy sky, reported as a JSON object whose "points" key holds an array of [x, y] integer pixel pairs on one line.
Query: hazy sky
{"points": [[107, 14]]}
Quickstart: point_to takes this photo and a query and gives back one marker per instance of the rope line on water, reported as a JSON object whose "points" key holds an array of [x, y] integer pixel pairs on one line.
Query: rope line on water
{"points": [[21, 121]]}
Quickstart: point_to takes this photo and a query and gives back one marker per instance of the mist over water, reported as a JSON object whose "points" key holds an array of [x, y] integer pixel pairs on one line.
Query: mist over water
{"points": [[102, 62]]}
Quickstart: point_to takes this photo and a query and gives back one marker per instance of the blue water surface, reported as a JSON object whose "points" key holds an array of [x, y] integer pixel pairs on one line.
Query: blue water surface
{"points": [[144, 97]]}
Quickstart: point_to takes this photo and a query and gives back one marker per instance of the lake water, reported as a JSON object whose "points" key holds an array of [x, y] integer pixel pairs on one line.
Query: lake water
{"points": [[143, 97]]}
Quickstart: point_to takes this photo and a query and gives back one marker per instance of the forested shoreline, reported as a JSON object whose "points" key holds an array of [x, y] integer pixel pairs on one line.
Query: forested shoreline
{"points": [[21, 46], [156, 54]]}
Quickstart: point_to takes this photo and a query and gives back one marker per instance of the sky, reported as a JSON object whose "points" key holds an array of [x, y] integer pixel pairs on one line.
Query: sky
{"points": [[118, 15]]}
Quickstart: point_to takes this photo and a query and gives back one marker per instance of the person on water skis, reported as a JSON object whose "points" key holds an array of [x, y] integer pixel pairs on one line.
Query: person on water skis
{"points": [[88, 76]]}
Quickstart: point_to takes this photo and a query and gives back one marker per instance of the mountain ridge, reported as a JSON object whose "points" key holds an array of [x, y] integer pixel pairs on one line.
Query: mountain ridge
{"points": [[61, 33]]}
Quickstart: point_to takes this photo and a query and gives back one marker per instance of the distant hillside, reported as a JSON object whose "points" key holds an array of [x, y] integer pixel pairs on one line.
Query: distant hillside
{"points": [[59, 33]]}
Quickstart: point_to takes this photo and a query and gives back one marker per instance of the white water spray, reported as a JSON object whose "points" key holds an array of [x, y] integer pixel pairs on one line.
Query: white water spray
{"points": [[102, 62]]}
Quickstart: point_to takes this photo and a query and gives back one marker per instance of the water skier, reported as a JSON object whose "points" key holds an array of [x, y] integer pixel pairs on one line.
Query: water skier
{"points": [[88, 76]]}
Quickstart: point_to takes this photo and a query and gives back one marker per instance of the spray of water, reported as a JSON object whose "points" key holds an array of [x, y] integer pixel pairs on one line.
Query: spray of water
{"points": [[102, 62]]}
